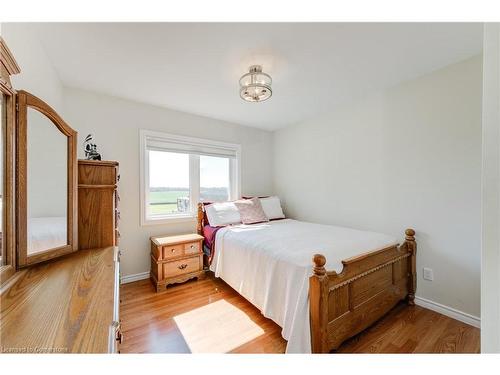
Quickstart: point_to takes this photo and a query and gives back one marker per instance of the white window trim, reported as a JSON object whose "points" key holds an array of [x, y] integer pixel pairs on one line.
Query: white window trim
{"points": [[234, 175]]}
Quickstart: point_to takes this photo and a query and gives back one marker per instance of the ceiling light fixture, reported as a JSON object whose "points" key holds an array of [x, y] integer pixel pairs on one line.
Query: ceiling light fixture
{"points": [[255, 86]]}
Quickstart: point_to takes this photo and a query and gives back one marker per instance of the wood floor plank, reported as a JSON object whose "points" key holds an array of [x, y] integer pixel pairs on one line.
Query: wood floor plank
{"points": [[149, 324]]}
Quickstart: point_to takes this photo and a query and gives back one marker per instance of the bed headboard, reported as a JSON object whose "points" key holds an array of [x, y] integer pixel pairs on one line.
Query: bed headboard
{"points": [[202, 217]]}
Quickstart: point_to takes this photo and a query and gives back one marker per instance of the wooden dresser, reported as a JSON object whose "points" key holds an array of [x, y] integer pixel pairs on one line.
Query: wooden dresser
{"points": [[175, 259], [98, 212], [67, 305]]}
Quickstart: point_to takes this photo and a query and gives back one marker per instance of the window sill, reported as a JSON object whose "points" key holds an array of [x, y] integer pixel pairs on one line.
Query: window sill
{"points": [[168, 220]]}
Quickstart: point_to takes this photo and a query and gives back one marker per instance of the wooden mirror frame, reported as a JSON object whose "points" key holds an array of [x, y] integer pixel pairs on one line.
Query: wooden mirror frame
{"points": [[26, 100], [8, 67]]}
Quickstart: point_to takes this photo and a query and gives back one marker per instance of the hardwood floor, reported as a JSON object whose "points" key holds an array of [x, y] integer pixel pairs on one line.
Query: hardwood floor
{"points": [[209, 316]]}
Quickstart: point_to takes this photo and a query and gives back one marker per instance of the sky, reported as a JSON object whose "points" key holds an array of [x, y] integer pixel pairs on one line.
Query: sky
{"points": [[168, 169]]}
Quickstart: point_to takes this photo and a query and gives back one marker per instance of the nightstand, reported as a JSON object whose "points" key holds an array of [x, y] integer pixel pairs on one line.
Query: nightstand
{"points": [[176, 259]]}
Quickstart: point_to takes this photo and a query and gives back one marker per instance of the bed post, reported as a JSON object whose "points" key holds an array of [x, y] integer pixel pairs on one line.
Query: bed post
{"points": [[199, 227], [411, 246], [318, 305]]}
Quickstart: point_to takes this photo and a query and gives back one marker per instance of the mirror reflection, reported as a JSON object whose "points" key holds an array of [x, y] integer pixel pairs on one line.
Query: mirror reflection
{"points": [[47, 184]]}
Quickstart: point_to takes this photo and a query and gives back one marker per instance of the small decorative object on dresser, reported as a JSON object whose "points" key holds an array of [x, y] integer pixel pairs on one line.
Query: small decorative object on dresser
{"points": [[175, 259], [90, 149]]}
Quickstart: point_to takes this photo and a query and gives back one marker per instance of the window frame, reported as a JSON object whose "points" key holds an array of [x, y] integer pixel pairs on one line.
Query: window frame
{"points": [[194, 175]]}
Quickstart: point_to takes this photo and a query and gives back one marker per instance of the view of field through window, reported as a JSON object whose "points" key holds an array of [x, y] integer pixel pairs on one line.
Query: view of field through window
{"points": [[169, 185], [214, 178]]}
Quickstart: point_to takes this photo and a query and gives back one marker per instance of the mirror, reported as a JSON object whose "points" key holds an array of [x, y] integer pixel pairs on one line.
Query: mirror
{"points": [[47, 184], [46, 179]]}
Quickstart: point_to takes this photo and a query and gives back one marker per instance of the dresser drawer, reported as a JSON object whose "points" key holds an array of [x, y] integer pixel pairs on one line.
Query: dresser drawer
{"points": [[181, 267], [96, 173], [192, 248], [172, 251]]}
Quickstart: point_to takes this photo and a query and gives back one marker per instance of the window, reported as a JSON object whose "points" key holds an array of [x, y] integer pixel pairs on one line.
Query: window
{"points": [[168, 183], [178, 172], [214, 178]]}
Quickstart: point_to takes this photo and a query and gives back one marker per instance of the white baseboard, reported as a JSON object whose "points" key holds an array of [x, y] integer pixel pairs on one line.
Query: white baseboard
{"points": [[449, 311], [135, 277]]}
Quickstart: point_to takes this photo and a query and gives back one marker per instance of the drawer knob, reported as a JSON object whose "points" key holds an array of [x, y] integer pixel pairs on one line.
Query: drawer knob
{"points": [[182, 266], [192, 246], [173, 250]]}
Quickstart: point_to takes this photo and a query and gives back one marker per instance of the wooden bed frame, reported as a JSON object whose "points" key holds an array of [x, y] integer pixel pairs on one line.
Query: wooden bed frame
{"points": [[343, 304]]}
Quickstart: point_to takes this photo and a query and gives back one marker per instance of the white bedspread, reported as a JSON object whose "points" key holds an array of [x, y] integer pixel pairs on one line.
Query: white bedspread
{"points": [[270, 264], [46, 233]]}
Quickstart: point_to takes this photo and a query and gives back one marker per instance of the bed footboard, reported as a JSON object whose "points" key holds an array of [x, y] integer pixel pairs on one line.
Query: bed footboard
{"points": [[343, 304]]}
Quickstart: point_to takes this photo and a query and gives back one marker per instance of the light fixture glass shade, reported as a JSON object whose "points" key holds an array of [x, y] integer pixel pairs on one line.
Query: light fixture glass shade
{"points": [[255, 86]]}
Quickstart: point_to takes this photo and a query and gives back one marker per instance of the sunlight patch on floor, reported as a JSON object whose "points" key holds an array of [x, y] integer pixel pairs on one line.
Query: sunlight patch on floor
{"points": [[216, 328]]}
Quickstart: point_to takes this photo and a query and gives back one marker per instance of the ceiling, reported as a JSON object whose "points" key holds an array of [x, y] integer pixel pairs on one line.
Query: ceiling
{"points": [[195, 67]]}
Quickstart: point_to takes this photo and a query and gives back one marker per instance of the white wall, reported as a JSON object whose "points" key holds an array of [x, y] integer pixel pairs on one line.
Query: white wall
{"points": [[490, 291], [115, 124], [37, 73], [406, 157]]}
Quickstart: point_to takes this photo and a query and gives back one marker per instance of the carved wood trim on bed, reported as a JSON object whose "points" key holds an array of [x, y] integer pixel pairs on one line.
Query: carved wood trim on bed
{"points": [[343, 304]]}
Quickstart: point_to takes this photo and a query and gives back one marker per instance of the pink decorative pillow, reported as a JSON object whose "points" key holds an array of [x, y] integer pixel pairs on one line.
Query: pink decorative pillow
{"points": [[251, 211]]}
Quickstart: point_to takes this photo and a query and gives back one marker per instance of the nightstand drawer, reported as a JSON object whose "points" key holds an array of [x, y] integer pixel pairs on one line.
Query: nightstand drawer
{"points": [[172, 251], [192, 248], [181, 267]]}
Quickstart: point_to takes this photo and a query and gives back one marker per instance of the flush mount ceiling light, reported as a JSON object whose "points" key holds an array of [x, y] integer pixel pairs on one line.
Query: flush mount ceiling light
{"points": [[255, 86]]}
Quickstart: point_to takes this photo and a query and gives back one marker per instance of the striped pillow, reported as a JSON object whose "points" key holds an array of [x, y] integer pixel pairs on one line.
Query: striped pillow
{"points": [[251, 211]]}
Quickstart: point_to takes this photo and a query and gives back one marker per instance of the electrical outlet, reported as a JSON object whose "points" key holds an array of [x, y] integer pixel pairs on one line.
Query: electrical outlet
{"points": [[428, 274]]}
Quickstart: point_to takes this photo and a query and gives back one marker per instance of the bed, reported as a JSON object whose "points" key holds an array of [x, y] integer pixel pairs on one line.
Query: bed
{"points": [[46, 233], [322, 284]]}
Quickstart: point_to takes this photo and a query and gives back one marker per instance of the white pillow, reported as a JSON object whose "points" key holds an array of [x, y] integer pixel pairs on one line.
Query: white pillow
{"points": [[272, 207], [223, 213]]}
